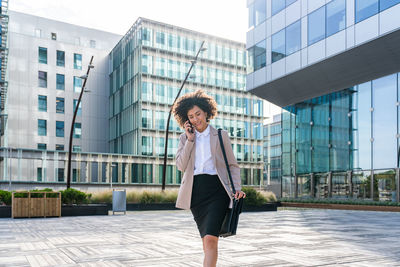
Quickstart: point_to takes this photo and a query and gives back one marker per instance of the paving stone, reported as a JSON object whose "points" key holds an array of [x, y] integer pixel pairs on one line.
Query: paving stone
{"points": [[289, 237]]}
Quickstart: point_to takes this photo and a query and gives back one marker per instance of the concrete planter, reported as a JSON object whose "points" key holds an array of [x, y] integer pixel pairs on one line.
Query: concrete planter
{"points": [[340, 206], [5, 211], [84, 210]]}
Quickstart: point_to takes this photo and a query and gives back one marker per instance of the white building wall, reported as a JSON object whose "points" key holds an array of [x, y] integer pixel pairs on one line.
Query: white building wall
{"points": [[26, 34]]}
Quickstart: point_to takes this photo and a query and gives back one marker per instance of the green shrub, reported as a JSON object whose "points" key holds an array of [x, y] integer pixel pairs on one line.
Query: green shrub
{"points": [[102, 197], [253, 197], [73, 196], [5, 197]]}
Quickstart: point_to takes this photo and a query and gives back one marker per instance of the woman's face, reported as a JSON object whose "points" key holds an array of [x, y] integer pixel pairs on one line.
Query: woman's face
{"points": [[198, 118]]}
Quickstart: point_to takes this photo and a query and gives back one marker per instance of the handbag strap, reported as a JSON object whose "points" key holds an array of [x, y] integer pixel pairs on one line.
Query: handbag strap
{"points": [[221, 142]]}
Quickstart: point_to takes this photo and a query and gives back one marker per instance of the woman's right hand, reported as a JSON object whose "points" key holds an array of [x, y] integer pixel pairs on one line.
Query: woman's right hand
{"points": [[188, 127]]}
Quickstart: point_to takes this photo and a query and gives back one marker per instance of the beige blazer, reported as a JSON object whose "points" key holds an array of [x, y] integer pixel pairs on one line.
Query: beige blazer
{"points": [[185, 162]]}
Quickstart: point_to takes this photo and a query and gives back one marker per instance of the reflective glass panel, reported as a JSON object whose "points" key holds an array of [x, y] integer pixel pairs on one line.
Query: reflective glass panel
{"points": [[335, 17], [77, 84], [385, 4], [60, 105], [60, 81], [42, 79], [42, 103], [77, 130], [59, 128], [43, 55], [77, 61], [316, 26], [320, 134], [366, 9], [278, 46], [277, 5], [362, 124], [79, 111], [259, 55], [260, 11], [293, 38], [384, 98], [60, 58], [42, 127]]}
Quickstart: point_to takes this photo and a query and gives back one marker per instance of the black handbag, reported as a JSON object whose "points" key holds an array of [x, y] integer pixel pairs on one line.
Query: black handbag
{"points": [[231, 219]]}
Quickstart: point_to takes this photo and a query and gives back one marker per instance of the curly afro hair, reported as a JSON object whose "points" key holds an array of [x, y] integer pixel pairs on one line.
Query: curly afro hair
{"points": [[188, 101]]}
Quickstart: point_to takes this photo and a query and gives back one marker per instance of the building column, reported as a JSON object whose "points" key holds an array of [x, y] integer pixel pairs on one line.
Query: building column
{"points": [[329, 184], [312, 184], [397, 184], [350, 183]]}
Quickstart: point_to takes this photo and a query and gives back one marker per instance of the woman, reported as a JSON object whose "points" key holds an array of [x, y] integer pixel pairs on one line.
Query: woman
{"points": [[205, 188]]}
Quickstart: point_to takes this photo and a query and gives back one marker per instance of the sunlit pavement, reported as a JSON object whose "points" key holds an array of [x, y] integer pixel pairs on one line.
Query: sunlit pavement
{"points": [[170, 238]]}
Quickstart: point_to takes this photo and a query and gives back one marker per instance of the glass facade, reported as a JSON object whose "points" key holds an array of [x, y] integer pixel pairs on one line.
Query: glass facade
{"points": [[42, 127], [341, 141], [77, 130], [77, 84], [148, 67], [60, 106], [79, 111]]}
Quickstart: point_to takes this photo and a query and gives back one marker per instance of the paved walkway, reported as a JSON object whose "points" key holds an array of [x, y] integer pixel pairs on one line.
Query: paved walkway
{"points": [[170, 238]]}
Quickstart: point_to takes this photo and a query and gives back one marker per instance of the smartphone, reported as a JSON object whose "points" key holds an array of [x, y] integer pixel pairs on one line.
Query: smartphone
{"points": [[191, 130]]}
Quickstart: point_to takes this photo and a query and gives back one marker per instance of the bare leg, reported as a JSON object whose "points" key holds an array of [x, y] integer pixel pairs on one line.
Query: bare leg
{"points": [[210, 248]]}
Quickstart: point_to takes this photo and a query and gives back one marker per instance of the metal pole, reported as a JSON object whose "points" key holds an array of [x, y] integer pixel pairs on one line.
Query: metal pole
{"points": [[169, 117], [73, 122]]}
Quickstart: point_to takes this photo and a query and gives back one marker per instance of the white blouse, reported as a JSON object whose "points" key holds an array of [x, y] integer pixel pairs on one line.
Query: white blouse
{"points": [[203, 161]]}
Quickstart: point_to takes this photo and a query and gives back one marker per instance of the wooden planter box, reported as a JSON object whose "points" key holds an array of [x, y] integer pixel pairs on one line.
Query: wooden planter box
{"points": [[35, 205]]}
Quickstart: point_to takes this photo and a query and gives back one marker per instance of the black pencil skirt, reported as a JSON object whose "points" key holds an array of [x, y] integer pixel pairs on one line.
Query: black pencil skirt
{"points": [[209, 204]]}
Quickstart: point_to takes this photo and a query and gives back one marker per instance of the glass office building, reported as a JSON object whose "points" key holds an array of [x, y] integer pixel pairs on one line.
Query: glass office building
{"points": [[332, 66], [147, 68]]}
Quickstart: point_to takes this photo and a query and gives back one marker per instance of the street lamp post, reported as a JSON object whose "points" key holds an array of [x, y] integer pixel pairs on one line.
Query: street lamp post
{"points": [[84, 77], [170, 111]]}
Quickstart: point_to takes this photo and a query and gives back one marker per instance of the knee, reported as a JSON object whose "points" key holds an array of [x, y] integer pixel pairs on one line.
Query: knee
{"points": [[210, 242]]}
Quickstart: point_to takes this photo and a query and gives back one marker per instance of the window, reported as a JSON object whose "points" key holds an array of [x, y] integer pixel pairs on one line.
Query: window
{"points": [[366, 9], [39, 172], [385, 4], [42, 77], [147, 119], [293, 38], [60, 81], [147, 145], [42, 103], [335, 17], [79, 112], [316, 26], [92, 43], [60, 58], [76, 149], [42, 146], [42, 127], [59, 147], [59, 128], [77, 130], [60, 174], [43, 55], [278, 46], [278, 5], [77, 61], [147, 91], [60, 105], [77, 84], [53, 36], [259, 55], [160, 38], [257, 13]]}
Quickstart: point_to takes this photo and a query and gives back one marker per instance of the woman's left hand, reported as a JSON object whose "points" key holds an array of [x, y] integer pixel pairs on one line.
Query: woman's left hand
{"points": [[240, 194]]}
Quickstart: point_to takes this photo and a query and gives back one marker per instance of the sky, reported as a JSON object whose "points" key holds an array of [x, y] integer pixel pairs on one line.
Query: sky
{"points": [[223, 18]]}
